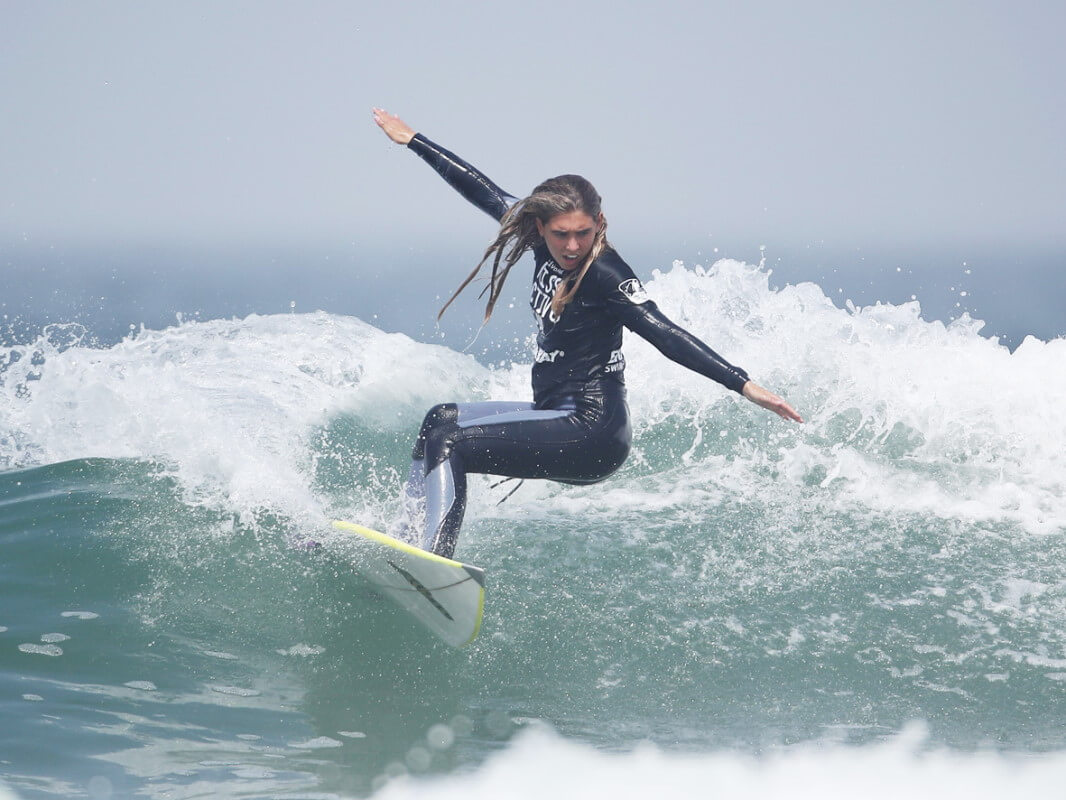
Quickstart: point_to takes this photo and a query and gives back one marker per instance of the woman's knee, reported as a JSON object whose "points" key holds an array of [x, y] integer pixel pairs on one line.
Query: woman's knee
{"points": [[438, 418]]}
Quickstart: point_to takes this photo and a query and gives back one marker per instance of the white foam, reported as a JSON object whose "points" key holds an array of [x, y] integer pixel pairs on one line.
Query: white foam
{"points": [[85, 615], [905, 416], [221, 655], [41, 649], [236, 691], [304, 650], [227, 405], [318, 743], [541, 764]]}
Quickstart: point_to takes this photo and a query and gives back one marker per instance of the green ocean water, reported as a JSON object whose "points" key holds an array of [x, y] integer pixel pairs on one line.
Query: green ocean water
{"points": [[742, 587]]}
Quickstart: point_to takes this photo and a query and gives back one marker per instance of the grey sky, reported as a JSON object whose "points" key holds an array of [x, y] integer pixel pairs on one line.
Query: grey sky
{"points": [[787, 121]]}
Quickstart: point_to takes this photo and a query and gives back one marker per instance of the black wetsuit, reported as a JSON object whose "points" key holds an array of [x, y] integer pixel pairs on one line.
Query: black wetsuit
{"points": [[577, 428]]}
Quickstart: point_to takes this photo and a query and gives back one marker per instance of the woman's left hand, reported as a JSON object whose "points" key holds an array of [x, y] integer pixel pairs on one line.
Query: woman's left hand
{"points": [[770, 401]]}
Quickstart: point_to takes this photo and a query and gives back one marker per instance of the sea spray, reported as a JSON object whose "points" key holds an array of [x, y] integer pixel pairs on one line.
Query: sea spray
{"points": [[230, 407]]}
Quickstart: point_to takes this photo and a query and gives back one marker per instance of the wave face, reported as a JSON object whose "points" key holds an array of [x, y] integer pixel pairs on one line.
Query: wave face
{"points": [[742, 585]]}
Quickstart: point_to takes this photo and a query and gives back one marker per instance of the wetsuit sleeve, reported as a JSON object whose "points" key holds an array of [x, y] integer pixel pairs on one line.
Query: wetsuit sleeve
{"points": [[467, 180], [629, 303], [679, 345]]}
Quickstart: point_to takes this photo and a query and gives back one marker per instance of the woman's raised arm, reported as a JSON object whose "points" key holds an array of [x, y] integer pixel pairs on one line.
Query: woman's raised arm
{"points": [[466, 179]]}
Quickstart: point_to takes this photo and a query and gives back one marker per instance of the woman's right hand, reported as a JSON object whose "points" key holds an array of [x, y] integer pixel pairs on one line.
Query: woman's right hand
{"points": [[394, 127]]}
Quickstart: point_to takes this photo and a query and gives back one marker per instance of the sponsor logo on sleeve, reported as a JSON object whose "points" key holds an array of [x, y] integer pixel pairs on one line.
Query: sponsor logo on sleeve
{"points": [[634, 291]]}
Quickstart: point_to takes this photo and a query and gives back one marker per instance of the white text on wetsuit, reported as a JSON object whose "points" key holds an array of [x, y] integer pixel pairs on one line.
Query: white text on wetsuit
{"points": [[544, 286]]}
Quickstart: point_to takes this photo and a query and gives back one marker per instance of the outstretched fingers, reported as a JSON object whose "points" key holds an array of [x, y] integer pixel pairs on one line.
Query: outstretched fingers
{"points": [[770, 401], [784, 410], [394, 127]]}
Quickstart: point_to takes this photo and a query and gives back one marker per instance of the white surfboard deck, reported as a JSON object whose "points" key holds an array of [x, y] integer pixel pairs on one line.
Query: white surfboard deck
{"points": [[444, 595]]}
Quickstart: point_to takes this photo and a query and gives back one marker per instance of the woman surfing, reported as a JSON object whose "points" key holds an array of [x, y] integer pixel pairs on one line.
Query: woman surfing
{"points": [[577, 428]]}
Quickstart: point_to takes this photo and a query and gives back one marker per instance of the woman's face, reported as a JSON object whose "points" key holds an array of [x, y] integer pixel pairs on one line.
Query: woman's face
{"points": [[569, 237]]}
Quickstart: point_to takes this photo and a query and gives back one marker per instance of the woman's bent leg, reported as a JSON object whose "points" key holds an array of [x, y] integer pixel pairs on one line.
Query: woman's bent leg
{"points": [[564, 444], [447, 488]]}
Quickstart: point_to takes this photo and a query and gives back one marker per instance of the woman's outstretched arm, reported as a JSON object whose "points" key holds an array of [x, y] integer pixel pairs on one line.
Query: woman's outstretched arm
{"points": [[681, 346], [628, 301], [470, 182]]}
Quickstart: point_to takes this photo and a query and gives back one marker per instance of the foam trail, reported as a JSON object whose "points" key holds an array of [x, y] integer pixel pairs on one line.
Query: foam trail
{"points": [[541, 764]]}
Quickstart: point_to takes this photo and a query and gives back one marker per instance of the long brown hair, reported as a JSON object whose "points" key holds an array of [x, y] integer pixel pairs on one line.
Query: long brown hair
{"points": [[518, 233]]}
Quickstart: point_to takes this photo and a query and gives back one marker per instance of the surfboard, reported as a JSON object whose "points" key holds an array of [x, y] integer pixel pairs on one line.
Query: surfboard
{"points": [[446, 596]]}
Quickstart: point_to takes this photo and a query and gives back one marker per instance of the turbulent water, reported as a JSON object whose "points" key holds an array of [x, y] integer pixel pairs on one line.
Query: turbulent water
{"points": [[874, 601]]}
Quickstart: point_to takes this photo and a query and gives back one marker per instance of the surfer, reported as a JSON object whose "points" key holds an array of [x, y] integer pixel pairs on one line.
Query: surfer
{"points": [[577, 428]]}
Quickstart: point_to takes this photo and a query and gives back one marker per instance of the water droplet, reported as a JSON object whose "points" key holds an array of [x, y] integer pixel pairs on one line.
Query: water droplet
{"points": [[440, 737], [418, 759]]}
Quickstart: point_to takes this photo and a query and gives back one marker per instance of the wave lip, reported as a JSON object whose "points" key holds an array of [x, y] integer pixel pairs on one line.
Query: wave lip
{"points": [[905, 416], [229, 407]]}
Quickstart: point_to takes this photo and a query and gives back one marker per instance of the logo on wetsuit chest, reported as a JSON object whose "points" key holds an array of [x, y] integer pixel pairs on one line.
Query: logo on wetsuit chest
{"points": [[541, 357]]}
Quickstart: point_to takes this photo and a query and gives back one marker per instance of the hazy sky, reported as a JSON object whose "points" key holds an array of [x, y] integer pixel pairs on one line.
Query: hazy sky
{"points": [[867, 122]]}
